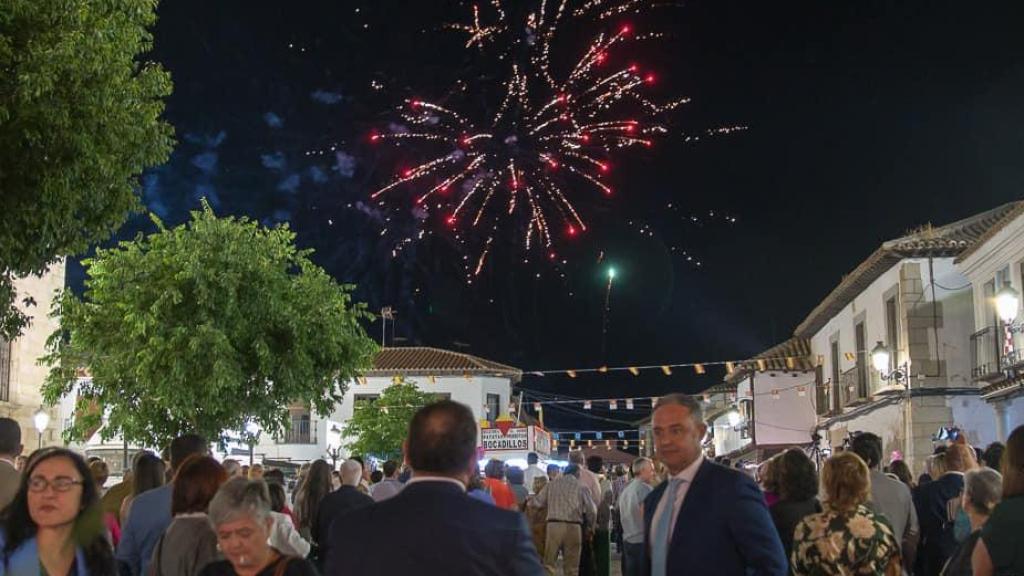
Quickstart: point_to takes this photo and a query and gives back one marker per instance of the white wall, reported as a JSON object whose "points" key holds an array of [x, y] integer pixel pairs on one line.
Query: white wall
{"points": [[789, 419], [957, 320], [469, 391], [975, 418]]}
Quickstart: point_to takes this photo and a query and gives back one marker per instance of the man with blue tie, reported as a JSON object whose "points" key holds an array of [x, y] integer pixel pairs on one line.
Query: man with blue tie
{"points": [[706, 518]]}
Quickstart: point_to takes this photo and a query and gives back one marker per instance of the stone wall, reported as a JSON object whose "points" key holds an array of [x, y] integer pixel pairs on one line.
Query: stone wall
{"points": [[27, 375]]}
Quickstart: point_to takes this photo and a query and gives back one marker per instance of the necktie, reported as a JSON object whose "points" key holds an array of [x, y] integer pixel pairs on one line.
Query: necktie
{"points": [[661, 530]]}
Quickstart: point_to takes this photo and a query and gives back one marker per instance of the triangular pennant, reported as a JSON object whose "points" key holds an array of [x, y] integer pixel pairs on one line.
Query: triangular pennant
{"points": [[667, 370], [634, 370], [622, 434], [730, 368], [577, 435], [571, 373], [602, 369], [629, 403], [599, 435], [699, 368], [762, 365], [613, 404], [790, 362], [586, 405], [537, 406]]}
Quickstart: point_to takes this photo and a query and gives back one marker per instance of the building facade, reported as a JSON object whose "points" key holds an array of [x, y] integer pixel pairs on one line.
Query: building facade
{"points": [[997, 363], [21, 374], [483, 385], [909, 298]]}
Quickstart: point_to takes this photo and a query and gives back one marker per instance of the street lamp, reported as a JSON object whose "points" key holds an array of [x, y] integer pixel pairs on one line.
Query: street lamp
{"points": [[880, 358], [734, 418], [41, 419], [1007, 303]]}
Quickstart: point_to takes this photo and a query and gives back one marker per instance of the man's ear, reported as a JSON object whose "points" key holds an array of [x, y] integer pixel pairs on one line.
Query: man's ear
{"points": [[21, 448]]}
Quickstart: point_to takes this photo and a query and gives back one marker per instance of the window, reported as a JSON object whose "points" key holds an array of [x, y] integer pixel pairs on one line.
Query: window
{"points": [[493, 406], [862, 360], [367, 398], [5, 370], [836, 392], [892, 332]]}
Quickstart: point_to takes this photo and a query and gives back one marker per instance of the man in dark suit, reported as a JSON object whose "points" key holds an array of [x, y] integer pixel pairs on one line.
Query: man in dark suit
{"points": [[432, 526], [706, 518], [336, 505]]}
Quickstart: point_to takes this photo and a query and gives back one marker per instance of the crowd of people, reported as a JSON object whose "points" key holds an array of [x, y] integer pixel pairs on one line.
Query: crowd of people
{"points": [[184, 513]]}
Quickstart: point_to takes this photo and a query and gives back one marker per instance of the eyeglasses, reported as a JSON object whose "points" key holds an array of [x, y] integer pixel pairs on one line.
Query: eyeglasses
{"points": [[61, 484]]}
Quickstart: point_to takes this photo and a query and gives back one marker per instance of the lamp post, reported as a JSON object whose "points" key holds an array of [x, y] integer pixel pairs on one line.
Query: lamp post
{"points": [[880, 359], [41, 419]]}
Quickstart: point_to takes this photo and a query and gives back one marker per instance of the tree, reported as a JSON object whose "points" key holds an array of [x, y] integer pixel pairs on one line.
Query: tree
{"points": [[79, 122], [204, 328], [379, 426]]}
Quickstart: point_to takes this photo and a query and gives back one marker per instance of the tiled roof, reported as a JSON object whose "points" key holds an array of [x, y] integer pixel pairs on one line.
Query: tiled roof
{"points": [[425, 361], [1010, 216], [792, 355], [946, 241]]}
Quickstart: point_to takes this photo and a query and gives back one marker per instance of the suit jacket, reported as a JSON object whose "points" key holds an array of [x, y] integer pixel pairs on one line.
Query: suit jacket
{"points": [[10, 480], [723, 527], [335, 505], [432, 527]]}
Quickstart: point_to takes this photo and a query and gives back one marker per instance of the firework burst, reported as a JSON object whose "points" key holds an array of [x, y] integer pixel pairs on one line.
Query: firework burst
{"points": [[549, 142]]}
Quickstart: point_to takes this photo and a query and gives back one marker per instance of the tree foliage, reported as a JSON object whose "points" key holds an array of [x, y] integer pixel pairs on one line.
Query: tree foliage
{"points": [[203, 328], [79, 122], [379, 426]]}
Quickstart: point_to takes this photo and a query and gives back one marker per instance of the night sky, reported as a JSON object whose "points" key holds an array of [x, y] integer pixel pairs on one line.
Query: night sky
{"points": [[865, 119]]}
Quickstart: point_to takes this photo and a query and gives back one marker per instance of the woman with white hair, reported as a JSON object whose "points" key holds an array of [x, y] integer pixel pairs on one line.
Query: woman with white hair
{"points": [[983, 489], [240, 515]]}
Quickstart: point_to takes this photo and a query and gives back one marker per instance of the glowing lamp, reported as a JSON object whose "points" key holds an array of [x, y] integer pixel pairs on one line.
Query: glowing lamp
{"points": [[41, 419], [880, 357], [734, 418], [1007, 303]]}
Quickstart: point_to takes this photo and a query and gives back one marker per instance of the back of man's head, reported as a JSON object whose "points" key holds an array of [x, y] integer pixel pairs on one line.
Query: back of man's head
{"points": [[442, 439], [595, 463], [10, 438], [576, 457], [390, 468], [572, 470], [187, 445], [532, 458], [869, 447], [351, 472], [274, 476]]}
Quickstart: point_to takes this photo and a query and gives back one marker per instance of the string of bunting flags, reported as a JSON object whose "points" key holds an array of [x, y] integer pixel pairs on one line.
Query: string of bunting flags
{"points": [[699, 368]]}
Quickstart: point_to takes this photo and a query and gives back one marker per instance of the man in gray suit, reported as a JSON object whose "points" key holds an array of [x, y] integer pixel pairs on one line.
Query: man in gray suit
{"points": [[10, 449], [889, 497]]}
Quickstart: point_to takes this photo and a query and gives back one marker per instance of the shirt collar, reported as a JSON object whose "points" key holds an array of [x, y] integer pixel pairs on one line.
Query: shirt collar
{"points": [[9, 461], [687, 474], [416, 479]]}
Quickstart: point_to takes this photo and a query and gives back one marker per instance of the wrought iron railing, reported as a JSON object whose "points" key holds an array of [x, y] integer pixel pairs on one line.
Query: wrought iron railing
{"points": [[302, 431], [986, 353]]}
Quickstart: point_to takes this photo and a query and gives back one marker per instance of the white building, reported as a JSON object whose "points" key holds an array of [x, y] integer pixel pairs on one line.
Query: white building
{"points": [[910, 297], [21, 375], [993, 262], [483, 385], [766, 403]]}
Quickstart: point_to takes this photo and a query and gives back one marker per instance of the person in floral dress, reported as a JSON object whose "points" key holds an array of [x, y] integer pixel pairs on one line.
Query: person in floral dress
{"points": [[848, 537]]}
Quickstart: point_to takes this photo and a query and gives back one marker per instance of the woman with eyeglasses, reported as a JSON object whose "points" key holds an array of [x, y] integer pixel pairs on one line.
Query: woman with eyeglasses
{"points": [[54, 525]]}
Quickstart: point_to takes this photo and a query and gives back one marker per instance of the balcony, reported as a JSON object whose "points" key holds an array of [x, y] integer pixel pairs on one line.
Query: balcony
{"points": [[986, 352], [302, 431], [990, 361]]}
